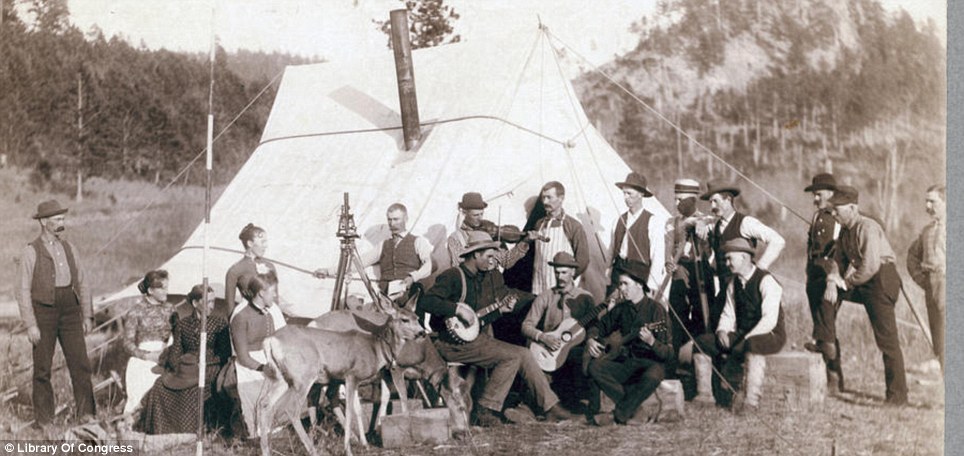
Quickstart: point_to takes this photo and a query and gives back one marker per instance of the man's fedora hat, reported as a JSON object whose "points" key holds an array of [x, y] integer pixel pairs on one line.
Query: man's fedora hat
{"points": [[49, 208], [185, 374], [636, 181], [479, 240], [713, 188], [686, 186], [563, 260], [844, 194], [472, 201], [822, 181], [639, 271], [738, 245]]}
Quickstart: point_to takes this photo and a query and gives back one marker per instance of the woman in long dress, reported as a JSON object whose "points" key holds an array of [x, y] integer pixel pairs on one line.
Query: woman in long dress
{"points": [[250, 326], [147, 331]]}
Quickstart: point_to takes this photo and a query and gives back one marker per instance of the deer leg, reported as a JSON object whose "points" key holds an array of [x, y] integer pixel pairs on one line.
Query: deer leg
{"points": [[398, 379], [293, 410], [272, 391], [386, 397], [356, 412], [349, 413]]}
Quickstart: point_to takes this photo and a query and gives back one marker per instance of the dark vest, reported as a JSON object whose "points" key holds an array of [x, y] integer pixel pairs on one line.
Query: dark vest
{"points": [[398, 261], [748, 302], [638, 250], [820, 240], [43, 285], [732, 231]]}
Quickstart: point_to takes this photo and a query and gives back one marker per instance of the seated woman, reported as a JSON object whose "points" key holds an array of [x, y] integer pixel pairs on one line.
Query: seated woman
{"points": [[187, 339], [251, 325], [147, 331], [255, 242], [171, 405]]}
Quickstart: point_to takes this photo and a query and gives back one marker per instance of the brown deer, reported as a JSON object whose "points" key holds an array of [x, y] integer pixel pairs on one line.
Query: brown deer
{"points": [[302, 356]]}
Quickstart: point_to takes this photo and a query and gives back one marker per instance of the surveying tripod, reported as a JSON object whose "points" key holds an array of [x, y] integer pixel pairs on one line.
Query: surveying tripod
{"points": [[349, 256]]}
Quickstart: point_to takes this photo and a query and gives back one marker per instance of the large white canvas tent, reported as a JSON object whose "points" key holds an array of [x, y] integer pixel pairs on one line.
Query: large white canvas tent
{"points": [[498, 117]]}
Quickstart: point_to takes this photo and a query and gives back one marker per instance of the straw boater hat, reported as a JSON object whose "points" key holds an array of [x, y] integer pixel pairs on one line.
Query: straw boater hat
{"points": [[686, 187], [472, 201], [185, 375], [479, 240], [738, 245], [636, 181], [713, 188], [49, 208], [822, 181], [844, 194]]}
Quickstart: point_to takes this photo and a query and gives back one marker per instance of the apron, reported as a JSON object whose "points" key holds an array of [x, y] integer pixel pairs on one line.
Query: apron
{"points": [[543, 277], [249, 380], [139, 378]]}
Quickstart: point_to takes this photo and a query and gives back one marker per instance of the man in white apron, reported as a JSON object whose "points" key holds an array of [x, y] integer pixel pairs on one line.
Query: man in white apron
{"points": [[557, 232]]}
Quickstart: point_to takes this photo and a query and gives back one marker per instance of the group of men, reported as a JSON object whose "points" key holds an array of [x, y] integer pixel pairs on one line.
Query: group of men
{"points": [[723, 314]]}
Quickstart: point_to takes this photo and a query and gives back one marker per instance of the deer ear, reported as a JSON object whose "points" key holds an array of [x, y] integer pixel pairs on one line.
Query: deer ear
{"points": [[368, 325]]}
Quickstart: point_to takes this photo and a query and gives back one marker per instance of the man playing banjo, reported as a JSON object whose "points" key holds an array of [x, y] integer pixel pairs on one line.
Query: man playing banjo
{"points": [[461, 292]]}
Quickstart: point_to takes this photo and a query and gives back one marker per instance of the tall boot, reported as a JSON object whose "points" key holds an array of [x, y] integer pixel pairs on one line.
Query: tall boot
{"points": [[755, 368], [831, 356], [703, 367]]}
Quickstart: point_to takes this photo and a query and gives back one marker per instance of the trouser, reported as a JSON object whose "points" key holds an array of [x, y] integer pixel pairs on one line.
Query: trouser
{"points": [[504, 360], [879, 297], [730, 360], [823, 312], [628, 381], [63, 322], [684, 298], [936, 300], [568, 382]]}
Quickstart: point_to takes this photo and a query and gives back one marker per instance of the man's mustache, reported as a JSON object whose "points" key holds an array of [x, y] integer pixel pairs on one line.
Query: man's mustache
{"points": [[59, 229]]}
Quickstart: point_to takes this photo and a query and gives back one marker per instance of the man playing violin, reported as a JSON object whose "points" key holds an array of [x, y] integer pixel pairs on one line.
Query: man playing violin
{"points": [[477, 283], [565, 300], [631, 373], [471, 210]]}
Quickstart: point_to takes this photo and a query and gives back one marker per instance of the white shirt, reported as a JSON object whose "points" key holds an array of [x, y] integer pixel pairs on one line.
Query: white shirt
{"points": [[772, 294], [753, 228], [657, 247], [422, 248]]}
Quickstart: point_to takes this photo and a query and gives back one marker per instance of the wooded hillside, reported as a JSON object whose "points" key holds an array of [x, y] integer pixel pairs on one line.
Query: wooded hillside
{"points": [[776, 88]]}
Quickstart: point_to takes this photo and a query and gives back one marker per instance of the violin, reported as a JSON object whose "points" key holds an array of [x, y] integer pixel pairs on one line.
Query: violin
{"points": [[507, 233]]}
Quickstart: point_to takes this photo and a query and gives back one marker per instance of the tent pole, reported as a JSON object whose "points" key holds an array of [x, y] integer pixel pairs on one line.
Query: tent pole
{"points": [[407, 101], [209, 159]]}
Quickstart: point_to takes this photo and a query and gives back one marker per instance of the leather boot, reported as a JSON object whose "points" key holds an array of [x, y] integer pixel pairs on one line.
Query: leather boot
{"points": [[755, 369], [703, 366]]}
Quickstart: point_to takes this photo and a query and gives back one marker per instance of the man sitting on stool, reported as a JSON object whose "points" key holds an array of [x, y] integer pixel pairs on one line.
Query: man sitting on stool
{"points": [[634, 373], [750, 328]]}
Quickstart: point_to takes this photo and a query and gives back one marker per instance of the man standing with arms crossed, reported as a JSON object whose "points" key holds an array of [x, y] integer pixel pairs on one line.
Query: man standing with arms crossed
{"points": [[927, 263], [869, 276], [55, 305]]}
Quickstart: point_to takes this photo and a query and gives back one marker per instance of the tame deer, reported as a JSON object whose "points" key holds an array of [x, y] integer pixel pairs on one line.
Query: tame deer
{"points": [[417, 360], [302, 356]]}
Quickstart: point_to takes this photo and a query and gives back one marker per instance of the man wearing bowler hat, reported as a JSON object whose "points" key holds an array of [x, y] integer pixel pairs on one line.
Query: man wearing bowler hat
{"points": [[55, 305], [868, 275], [565, 300], [471, 209], [821, 239], [639, 236], [731, 224], [751, 326]]}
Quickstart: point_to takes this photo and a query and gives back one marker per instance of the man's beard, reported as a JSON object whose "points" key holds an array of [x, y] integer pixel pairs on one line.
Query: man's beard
{"points": [[687, 207]]}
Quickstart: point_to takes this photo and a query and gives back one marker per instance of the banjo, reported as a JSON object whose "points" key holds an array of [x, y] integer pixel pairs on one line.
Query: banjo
{"points": [[462, 333]]}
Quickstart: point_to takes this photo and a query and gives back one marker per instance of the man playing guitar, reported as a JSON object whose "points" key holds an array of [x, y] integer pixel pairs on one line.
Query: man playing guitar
{"points": [[477, 283], [552, 307], [631, 374]]}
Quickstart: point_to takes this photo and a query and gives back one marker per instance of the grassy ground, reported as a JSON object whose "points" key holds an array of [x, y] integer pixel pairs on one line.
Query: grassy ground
{"points": [[852, 425]]}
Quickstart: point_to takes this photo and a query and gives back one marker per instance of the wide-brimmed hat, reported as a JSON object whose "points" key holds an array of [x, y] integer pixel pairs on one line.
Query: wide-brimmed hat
{"points": [[479, 240], [564, 260], [185, 374], [844, 194], [639, 271], [686, 186], [738, 245], [637, 181], [472, 201], [713, 188], [822, 181], [49, 208]]}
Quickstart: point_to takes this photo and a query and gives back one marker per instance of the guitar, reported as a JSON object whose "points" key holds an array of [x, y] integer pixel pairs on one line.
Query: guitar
{"points": [[615, 342], [462, 333], [571, 332]]}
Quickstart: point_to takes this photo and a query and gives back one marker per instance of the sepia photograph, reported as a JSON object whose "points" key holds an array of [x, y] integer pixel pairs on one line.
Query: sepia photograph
{"points": [[449, 227]]}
